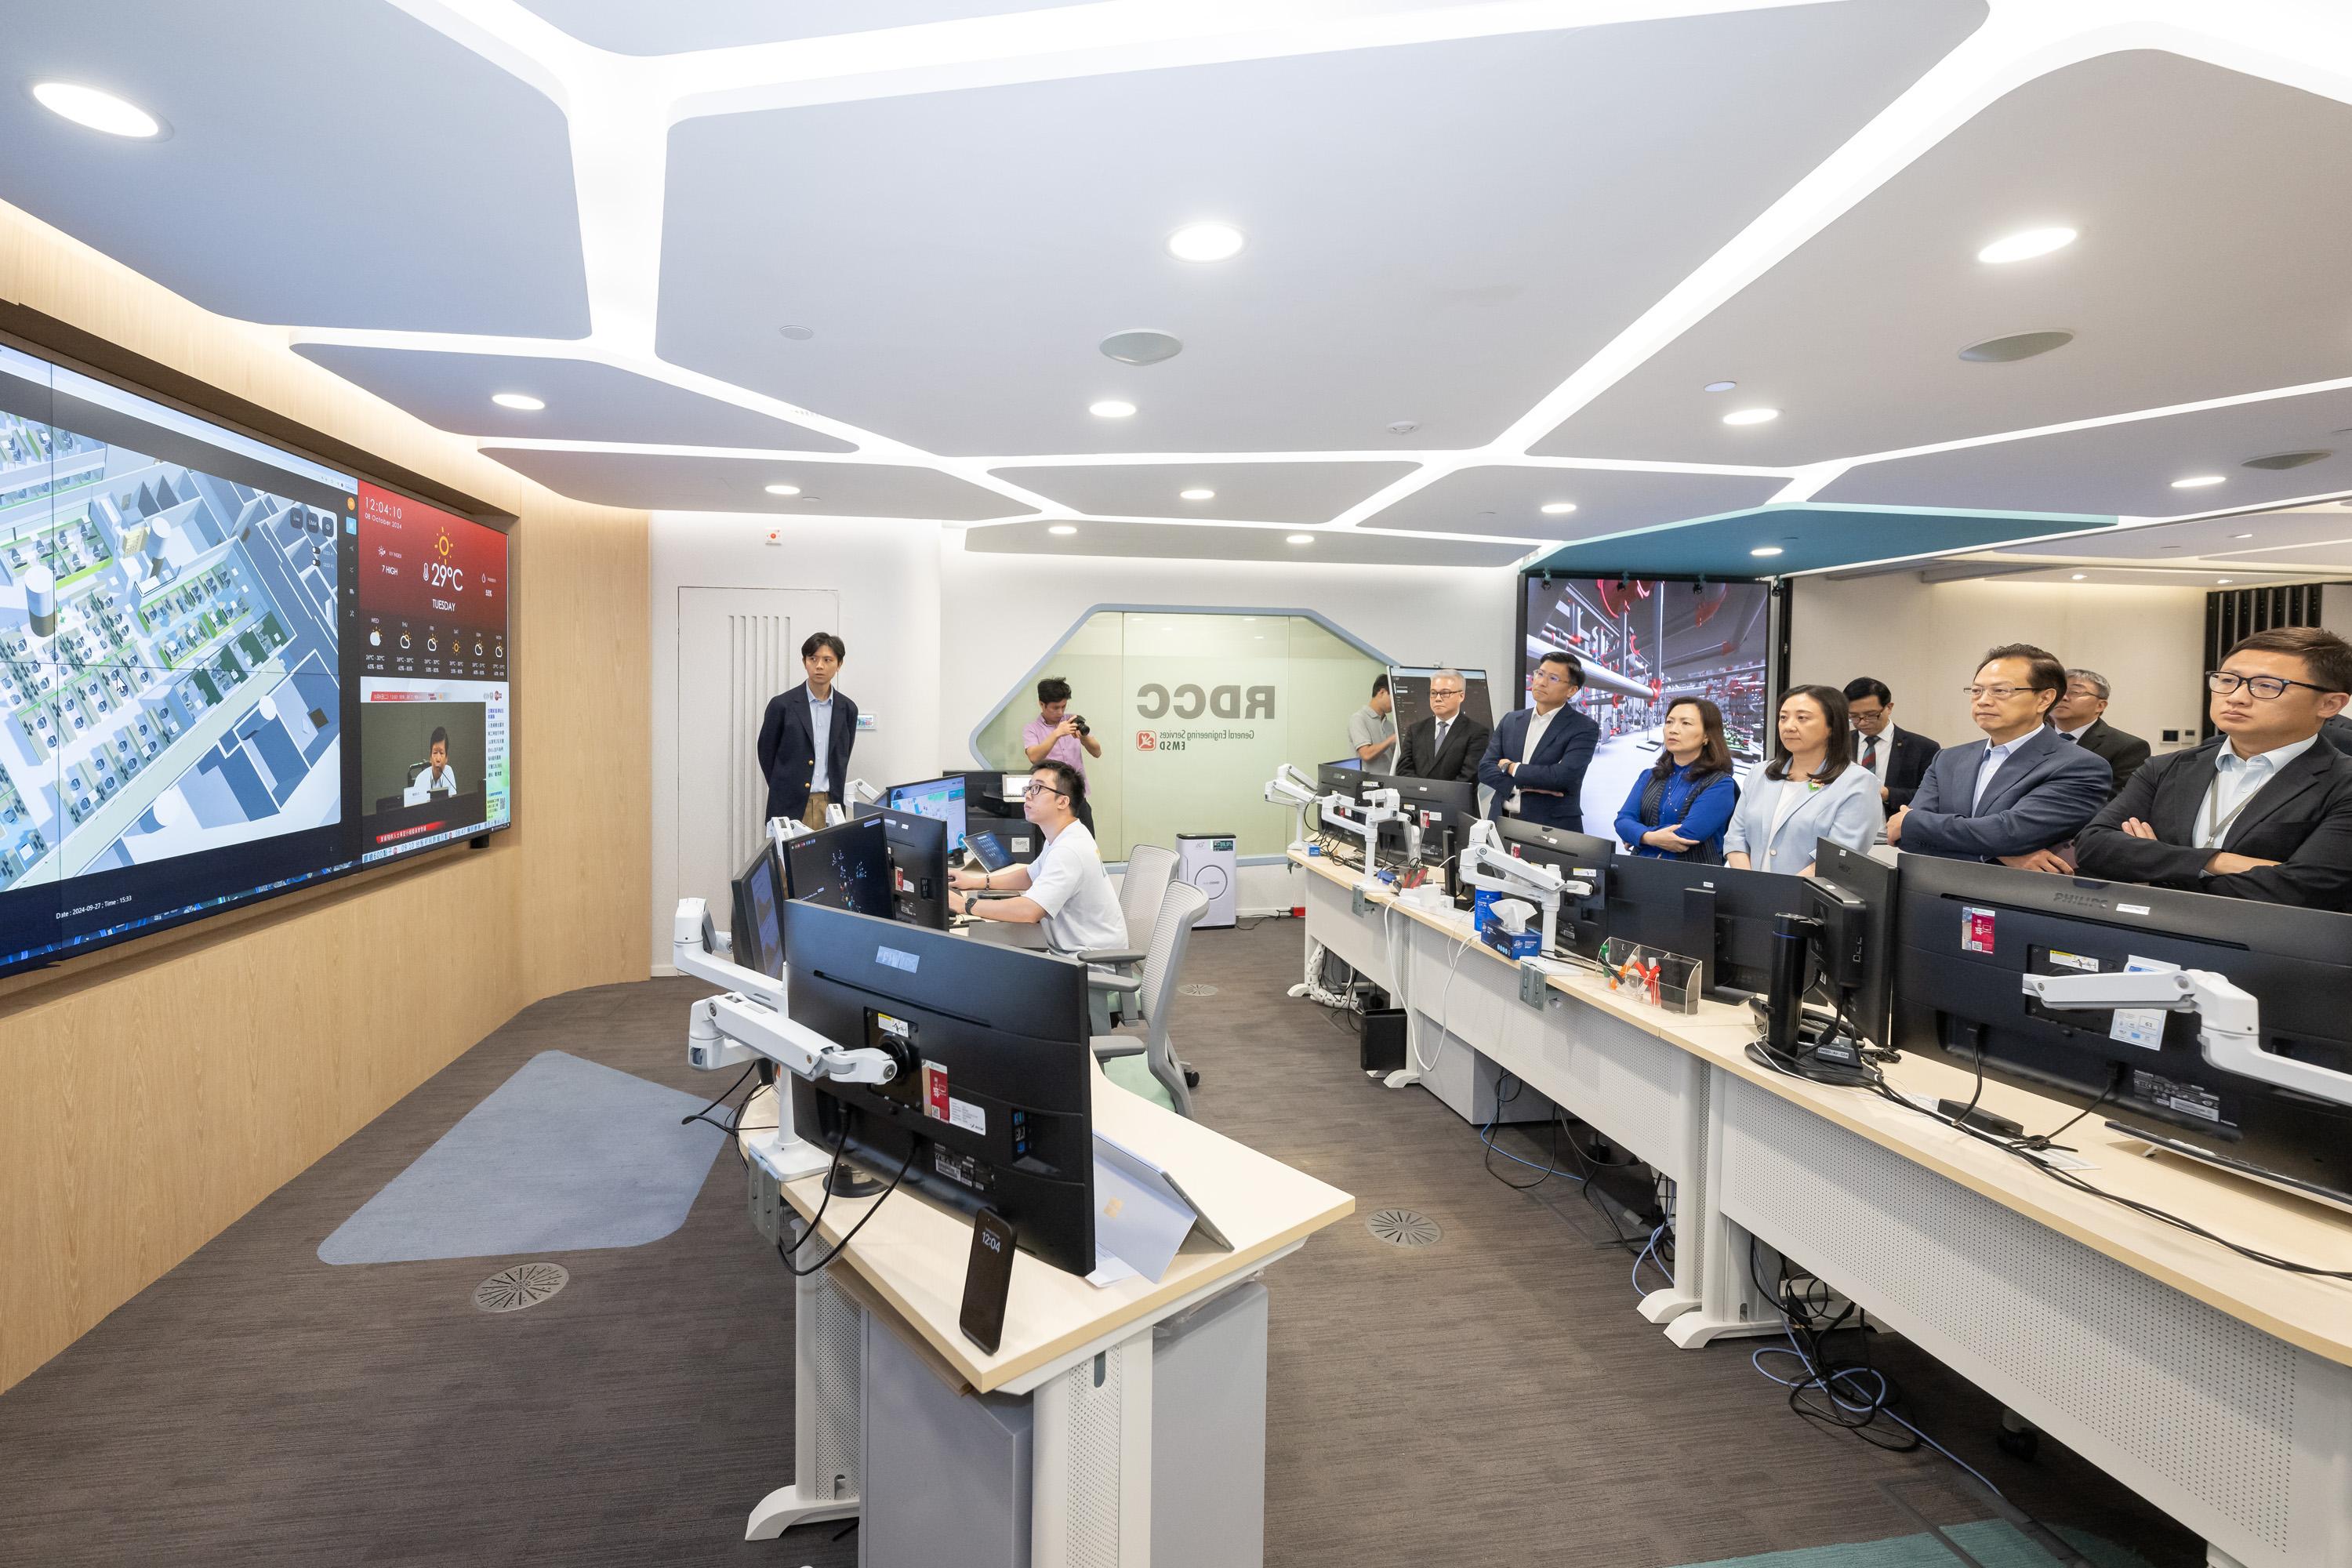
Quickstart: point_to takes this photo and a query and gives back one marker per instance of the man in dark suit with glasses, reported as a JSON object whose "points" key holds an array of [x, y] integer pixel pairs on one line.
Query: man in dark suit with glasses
{"points": [[2261, 811]]}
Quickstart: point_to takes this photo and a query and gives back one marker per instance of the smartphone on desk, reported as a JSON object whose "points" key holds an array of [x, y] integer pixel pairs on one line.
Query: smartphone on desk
{"points": [[987, 1280]]}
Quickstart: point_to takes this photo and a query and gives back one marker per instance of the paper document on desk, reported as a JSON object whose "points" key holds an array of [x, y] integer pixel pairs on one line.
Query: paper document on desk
{"points": [[1141, 1215]]}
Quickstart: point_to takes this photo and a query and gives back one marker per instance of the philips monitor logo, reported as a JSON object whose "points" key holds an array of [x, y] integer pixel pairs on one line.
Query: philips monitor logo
{"points": [[896, 959]]}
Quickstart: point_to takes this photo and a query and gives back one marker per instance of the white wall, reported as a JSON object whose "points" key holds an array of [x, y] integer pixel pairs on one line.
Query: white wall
{"points": [[888, 576], [1923, 640]]}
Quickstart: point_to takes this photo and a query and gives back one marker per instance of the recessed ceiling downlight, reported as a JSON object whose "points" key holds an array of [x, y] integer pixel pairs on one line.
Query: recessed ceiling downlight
{"points": [[2198, 482], [2025, 245], [797, 333], [2080, 575], [2014, 347], [1205, 242], [522, 402], [1720, 385], [1198, 493], [95, 110], [1299, 538], [1143, 345], [2288, 459], [1110, 408], [1064, 530], [1766, 550], [2241, 536], [783, 490], [1559, 508], [1751, 416]]}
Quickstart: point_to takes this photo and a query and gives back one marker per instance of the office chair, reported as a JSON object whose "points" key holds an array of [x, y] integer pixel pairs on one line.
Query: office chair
{"points": [[1146, 1063], [1149, 868]]}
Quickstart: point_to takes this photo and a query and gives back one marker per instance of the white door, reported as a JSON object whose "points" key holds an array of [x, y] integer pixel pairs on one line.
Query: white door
{"points": [[735, 649]]}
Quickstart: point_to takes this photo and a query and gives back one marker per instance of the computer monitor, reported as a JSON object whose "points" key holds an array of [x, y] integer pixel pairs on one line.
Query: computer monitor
{"points": [[999, 1111], [844, 867], [1017, 835], [918, 867], [943, 799], [1583, 922], [1345, 778], [757, 933], [1967, 933], [1717, 915], [1445, 808], [1852, 893]]}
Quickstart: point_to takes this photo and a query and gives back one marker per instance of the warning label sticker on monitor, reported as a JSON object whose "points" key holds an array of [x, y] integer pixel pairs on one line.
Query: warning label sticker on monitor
{"points": [[1976, 931], [935, 1091]]}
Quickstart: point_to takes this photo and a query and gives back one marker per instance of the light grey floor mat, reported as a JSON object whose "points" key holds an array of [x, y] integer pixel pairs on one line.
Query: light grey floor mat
{"points": [[564, 1156]]}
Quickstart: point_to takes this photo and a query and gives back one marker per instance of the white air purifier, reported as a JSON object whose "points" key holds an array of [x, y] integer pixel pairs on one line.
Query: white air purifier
{"points": [[1206, 861]]}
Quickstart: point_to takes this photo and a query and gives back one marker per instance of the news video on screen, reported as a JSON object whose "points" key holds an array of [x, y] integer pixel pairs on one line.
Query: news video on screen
{"points": [[175, 597], [1642, 642]]}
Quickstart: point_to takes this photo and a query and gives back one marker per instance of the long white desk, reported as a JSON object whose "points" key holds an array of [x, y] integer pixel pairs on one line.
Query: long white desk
{"points": [[2218, 1389]]}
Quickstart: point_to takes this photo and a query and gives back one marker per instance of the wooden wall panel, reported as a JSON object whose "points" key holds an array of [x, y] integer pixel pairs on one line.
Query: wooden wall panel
{"points": [[145, 1105]]}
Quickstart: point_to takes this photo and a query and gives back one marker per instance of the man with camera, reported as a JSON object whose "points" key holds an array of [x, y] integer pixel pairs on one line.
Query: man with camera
{"points": [[1058, 735]]}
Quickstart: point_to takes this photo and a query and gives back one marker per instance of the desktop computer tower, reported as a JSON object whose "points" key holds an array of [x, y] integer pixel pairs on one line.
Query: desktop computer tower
{"points": [[1206, 861]]}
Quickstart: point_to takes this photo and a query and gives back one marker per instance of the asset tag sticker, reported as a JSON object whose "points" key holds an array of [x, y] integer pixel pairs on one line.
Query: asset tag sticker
{"points": [[964, 1113], [935, 1091], [1976, 931], [2141, 1027]]}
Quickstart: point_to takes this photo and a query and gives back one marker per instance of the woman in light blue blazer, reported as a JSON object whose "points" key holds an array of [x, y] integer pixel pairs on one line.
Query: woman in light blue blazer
{"points": [[1812, 790]]}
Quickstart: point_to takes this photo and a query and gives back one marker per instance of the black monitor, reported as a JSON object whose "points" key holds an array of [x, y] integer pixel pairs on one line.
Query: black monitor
{"points": [[1017, 835], [1717, 915], [847, 867], [998, 1110], [918, 867], [1445, 808], [1582, 922], [1345, 778], [1967, 933], [757, 933], [1852, 893], [942, 798]]}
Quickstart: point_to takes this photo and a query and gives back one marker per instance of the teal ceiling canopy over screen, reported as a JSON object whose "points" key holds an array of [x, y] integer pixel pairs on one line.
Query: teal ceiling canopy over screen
{"points": [[1809, 536]]}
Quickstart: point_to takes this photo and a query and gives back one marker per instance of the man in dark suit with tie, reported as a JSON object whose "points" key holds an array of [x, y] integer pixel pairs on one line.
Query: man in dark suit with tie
{"points": [[2019, 795], [1897, 756], [1448, 743], [2079, 717], [2261, 811], [1534, 760], [805, 737]]}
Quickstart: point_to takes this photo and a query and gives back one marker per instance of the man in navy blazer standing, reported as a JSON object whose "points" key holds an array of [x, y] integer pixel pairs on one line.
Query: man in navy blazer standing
{"points": [[804, 739], [1536, 759], [2019, 795]]}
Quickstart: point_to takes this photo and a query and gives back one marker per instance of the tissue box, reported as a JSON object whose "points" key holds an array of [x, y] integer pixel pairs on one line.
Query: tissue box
{"points": [[1528, 943]]}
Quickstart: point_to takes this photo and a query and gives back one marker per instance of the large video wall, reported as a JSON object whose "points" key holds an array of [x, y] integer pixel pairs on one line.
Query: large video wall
{"points": [[1644, 641], [176, 601]]}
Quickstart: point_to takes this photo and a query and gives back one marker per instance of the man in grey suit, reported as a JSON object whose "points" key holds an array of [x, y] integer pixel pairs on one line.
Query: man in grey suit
{"points": [[2021, 795]]}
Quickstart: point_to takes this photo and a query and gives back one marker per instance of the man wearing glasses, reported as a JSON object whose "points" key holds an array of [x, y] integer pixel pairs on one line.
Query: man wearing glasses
{"points": [[1066, 889], [2261, 811], [1448, 743], [1534, 759], [2020, 795]]}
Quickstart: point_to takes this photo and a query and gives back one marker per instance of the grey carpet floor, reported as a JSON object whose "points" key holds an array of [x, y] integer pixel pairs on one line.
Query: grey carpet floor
{"points": [[1489, 1400]]}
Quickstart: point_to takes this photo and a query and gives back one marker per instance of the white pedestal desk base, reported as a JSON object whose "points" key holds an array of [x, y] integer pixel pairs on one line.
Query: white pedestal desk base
{"points": [[783, 1508]]}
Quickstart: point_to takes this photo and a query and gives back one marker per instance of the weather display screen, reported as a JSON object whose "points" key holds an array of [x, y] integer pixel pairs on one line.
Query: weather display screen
{"points": [[176, 605], [1642, 642]]}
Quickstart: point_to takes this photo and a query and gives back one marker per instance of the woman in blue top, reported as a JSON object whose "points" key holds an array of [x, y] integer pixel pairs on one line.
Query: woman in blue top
{"points": [[1678, 811], [1813, 790]]}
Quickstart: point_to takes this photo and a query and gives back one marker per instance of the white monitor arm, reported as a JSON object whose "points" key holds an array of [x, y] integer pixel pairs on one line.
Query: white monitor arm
{"points": [[1291, 788], [1485, 864], [1379, 805], [750, 1020], [2229, 1031], [859, 793]]}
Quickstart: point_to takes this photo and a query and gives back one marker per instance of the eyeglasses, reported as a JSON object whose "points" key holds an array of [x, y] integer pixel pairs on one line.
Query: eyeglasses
{"points": [[1445, 691], [2269, 688], [1039, 787], [1998, 693]]}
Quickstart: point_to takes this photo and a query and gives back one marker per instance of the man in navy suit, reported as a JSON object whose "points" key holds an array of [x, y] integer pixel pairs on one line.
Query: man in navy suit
{"points": [[2021, 795], [1536, 759], [805, 737]]}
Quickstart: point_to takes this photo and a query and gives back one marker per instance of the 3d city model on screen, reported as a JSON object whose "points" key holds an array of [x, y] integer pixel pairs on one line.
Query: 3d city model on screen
{"points": [[175, 599], [1642, 642]]}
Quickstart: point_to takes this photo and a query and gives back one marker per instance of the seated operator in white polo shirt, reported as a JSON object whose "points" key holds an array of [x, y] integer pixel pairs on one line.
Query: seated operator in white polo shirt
{"points": [[1066, 888]]}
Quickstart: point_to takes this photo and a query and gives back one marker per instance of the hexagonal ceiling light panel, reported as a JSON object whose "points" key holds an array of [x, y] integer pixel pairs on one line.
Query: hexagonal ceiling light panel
{"points": [[1244, 492], [1508, 500], [635, 27], [647, 483], [1207, 542]]}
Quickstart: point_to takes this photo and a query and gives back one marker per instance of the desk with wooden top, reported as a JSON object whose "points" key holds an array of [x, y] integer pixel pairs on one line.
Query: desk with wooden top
{"points": [[2217, 1388], [1083, 1353]]}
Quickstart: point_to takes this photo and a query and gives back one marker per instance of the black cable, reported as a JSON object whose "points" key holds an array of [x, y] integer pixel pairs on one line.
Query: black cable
{"points": [[729, 1127], [1495, 1122], [785, 1258], [2040, 1140]]}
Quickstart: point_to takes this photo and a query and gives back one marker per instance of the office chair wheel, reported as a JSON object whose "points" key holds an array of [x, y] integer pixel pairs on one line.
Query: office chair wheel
{"points": [[1191, 1075], [2021, 1443]]}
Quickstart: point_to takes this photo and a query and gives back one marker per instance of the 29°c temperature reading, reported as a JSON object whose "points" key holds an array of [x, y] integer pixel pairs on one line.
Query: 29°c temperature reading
{"points": [[441, 574]]}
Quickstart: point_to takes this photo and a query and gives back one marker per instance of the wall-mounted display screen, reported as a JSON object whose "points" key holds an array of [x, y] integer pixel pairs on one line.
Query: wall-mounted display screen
{"points": [[176, 600], [1642, 642]]}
